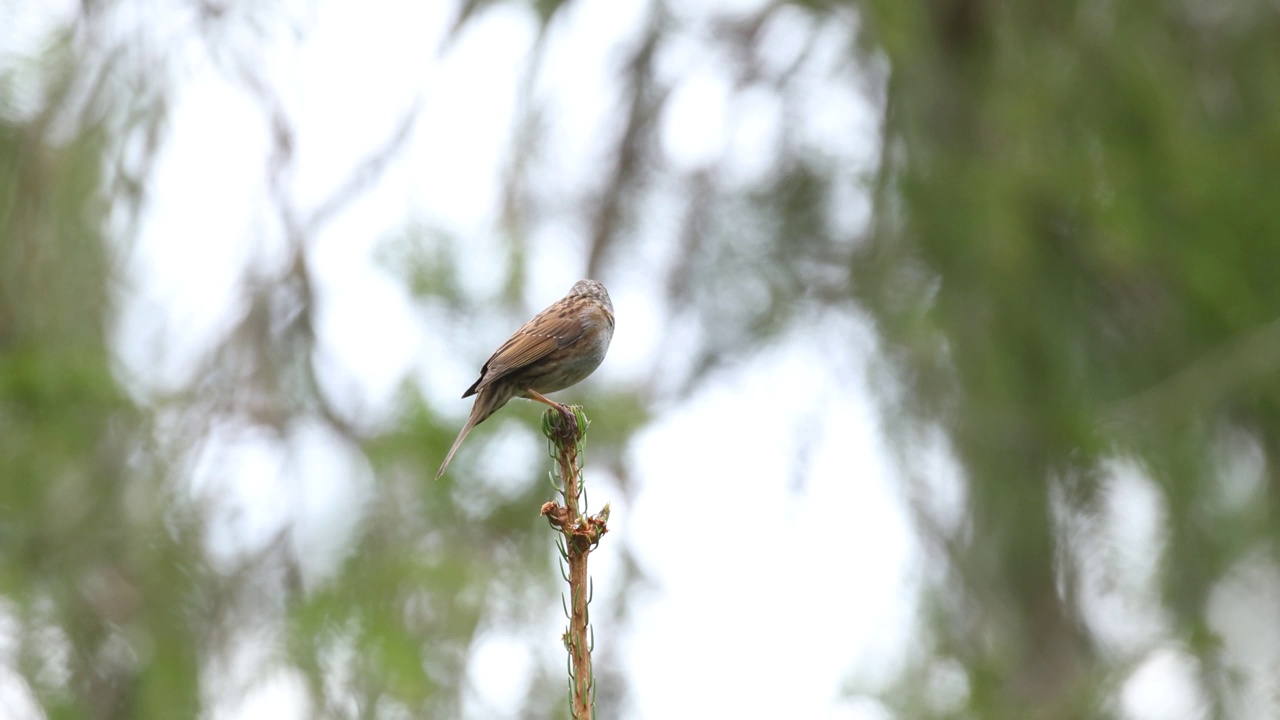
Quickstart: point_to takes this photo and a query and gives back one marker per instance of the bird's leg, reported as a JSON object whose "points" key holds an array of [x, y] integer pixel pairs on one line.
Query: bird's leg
{"points": [[564, 409]]}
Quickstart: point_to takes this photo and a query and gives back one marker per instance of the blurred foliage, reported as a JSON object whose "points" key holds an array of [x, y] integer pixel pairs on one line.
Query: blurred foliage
{"points": [[1073, 262], [1070, 264], [102, 582]]}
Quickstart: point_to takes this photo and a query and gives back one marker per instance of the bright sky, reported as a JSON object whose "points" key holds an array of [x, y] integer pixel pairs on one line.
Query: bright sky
{"points": [[833, 526]]}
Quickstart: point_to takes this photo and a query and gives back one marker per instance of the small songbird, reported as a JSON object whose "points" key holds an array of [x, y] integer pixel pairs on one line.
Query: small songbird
{"points": [[559, 347]]}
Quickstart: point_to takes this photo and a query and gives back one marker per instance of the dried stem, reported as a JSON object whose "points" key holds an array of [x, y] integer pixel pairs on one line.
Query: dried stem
{"points": [[580, 535]]}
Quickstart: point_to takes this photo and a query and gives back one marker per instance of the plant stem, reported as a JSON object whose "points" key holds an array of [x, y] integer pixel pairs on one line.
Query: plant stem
{"points": [[581, 535]]}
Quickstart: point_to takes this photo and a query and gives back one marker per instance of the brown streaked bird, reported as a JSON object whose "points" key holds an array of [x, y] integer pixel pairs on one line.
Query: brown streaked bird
{"points": [[559, 347]]}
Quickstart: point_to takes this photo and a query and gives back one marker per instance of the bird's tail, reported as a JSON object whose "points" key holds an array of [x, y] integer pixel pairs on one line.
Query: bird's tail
{"points": [[487, 403], [461, 436]]}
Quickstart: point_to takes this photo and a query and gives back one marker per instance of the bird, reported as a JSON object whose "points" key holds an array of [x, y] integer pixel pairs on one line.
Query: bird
{"points": [[558, 348]]}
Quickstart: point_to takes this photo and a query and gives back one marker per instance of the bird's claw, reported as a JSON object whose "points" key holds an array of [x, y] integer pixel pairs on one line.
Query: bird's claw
{"points": [[570, 418]]}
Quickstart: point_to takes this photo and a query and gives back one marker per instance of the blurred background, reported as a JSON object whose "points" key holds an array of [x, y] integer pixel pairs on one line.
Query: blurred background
{"points": [[945, 381]]}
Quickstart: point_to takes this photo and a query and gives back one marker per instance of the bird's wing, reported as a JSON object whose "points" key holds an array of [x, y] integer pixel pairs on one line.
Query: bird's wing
{"points": [[539, 337]]}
